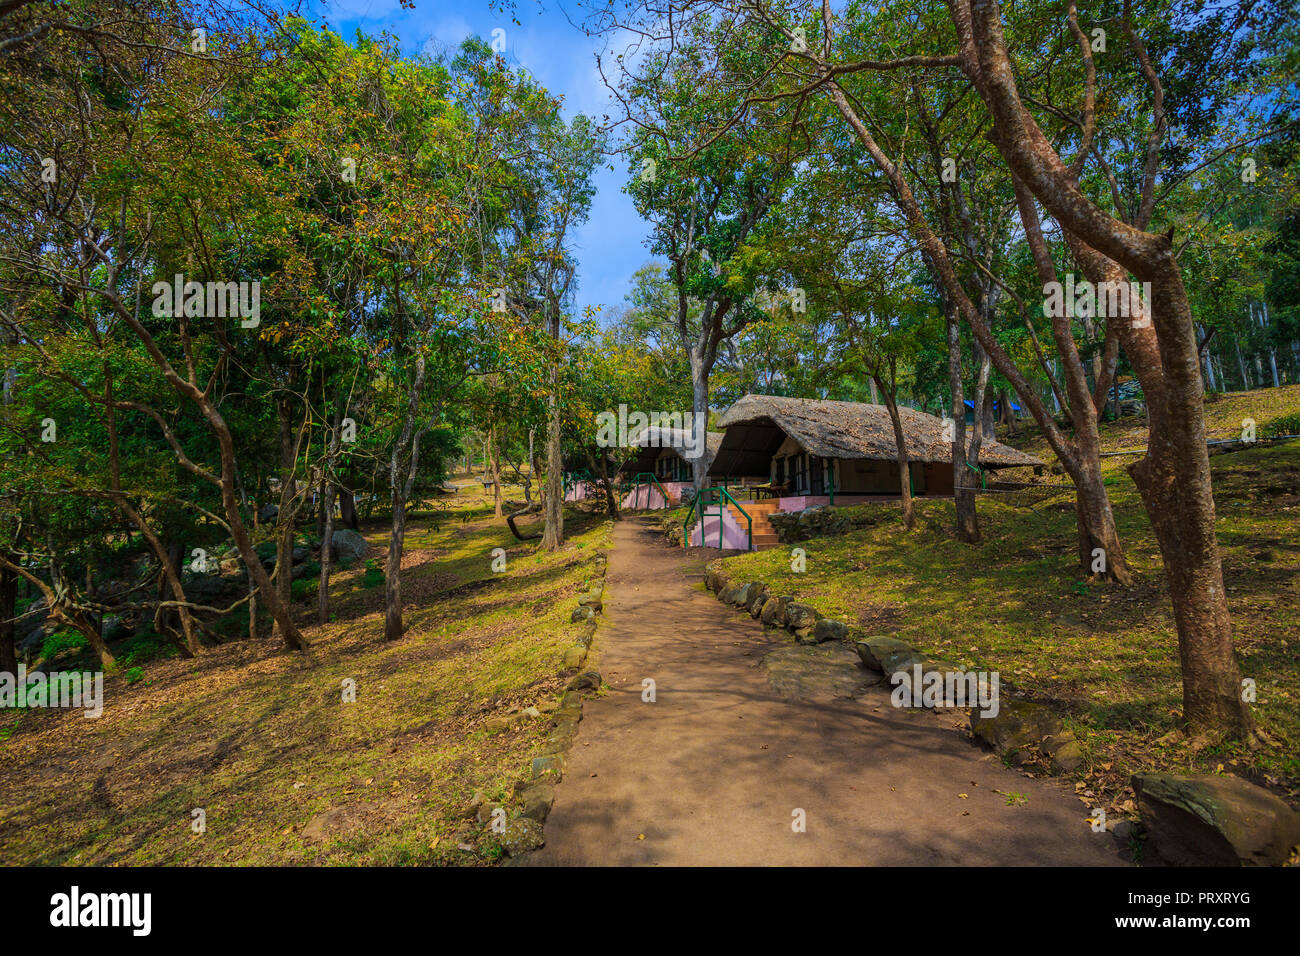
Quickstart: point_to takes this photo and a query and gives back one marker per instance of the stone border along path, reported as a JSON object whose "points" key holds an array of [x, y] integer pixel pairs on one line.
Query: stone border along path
{"points": [[746, 728]]}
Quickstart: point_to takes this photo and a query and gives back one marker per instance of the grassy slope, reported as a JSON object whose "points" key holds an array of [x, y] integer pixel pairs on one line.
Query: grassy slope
{"points": [[1017, 603], [261, 740]]}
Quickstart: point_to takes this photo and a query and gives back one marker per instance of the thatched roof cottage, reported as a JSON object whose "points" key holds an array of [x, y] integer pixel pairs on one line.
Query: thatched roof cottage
{"points": [[809, 447]]}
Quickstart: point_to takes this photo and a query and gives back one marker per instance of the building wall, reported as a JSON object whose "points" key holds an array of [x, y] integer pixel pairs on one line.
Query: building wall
{"points": [[876, 476], [671, 466], [938, 478]]}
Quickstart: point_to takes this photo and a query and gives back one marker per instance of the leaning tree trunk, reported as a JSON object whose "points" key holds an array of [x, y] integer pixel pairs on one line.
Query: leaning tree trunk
{"points": [[61, 612], [1174, 477], [946, 274], [1099, 549]]}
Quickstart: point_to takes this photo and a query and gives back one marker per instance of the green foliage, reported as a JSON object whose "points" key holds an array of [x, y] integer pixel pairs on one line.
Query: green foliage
{"points": [[60, 641], [1283, 425], [143, 647]]}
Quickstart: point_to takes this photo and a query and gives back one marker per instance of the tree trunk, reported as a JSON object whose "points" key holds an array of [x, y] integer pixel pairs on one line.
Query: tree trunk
{"points": [[1174, 477], [968, 527], [285, 518], [406, 450], [601, 468], [8, 628], [348, 507], [700, 419], [326, 551], [979, 405], [900, 443], [1207, 363], [553, 496], [1241, 364], [494, 465]]}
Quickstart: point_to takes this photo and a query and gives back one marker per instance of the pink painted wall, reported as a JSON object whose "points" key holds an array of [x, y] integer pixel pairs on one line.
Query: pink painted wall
{"points": [[734, 535], [648, 496], [577, 492], [799, 502]]}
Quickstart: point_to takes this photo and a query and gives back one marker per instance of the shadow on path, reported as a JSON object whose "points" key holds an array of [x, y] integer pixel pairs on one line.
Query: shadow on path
{"points": [[712, 771]]}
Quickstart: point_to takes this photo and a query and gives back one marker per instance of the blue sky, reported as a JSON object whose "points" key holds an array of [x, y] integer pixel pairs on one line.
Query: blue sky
{"points": [[610, 247]]}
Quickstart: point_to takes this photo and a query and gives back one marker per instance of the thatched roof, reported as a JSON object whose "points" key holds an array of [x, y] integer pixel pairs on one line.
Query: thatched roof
{"points": [[757, 425], [654, 439]]}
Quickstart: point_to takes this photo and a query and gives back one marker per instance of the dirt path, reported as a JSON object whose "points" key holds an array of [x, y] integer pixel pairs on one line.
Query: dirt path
{"points": [[712, 771]]}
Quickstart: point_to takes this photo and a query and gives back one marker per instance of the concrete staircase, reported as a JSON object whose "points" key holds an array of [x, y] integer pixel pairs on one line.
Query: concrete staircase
{"points": [[764, 533]]}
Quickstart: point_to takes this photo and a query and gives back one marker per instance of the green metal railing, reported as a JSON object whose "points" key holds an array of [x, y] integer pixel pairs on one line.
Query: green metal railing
{"points": [[637, 481], [984, 480], [715, 496], [572, 480]]}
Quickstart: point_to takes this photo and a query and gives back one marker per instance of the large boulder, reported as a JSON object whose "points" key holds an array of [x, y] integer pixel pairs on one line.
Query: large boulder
{"points": [[746, 593], [829, 630], [873, 650], [901, 660], [799, 616], [115, 628], [521, 835], [951, 686], [209, 588], [1212, 820], [812, 522], [348, 546], [33, 641], [1063, 751], [587, 680], [1019, 728], [774, 608], [538, 797]]}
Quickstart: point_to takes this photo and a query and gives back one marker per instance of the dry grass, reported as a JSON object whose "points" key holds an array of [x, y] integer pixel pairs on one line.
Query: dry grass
{"points": [[1105, 656], [285, 771]]}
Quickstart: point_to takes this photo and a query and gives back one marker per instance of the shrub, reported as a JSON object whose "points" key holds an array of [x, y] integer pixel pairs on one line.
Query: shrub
{"points": [[1283, 425], [59, 641], [144, 647]]}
